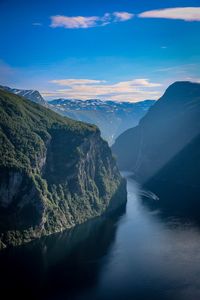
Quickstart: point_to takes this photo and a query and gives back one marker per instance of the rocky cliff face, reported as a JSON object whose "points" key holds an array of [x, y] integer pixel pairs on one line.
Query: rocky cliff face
{"points": [[163, 150], [166, 130], [54, 172]]}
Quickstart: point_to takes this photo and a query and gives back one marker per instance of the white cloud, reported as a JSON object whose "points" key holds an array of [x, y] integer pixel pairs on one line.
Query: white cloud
{"points": [[73, 22], [123, 16], [178, 13], [132, 90], [88, 22]]}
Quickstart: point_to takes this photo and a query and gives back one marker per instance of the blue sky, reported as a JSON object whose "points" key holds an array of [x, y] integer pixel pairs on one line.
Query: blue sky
{"points": [[109, 49]]}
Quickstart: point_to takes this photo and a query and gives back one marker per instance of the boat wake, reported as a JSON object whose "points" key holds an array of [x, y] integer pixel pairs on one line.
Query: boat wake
{"points": [[149, 195]]}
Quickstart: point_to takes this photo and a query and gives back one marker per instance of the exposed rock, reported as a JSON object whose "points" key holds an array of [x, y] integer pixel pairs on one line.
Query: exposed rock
{"points": [[55, 172]]}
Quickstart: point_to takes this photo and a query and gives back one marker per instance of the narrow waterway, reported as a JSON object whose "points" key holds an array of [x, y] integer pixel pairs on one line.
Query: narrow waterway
{"points": [[135, 255]]}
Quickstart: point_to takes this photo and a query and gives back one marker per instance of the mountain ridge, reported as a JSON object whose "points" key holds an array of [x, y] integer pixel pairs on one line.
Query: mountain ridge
{"points": [[55, 172], [112, 117], [32, 95], [162, 133]]}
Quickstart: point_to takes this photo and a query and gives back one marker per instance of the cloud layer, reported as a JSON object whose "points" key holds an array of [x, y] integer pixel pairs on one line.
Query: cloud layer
{"points": [[87, 22], [132, 90], [179, 13]]}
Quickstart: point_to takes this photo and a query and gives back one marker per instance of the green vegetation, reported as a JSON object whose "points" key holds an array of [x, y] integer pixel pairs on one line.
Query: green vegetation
{"points": [[25, 127], [55, 172]]}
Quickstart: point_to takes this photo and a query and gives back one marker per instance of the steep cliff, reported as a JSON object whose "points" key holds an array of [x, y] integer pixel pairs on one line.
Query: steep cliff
{"points": [[54, 172], [163, 150], [159, 140]]}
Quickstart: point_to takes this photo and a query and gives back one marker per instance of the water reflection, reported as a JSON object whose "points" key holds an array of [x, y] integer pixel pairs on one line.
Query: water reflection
{"points": [[175, 199], [61, 265], [159, 253], [142, 254]]}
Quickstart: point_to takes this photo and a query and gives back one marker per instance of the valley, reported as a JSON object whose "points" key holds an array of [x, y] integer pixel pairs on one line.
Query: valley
{"points": [[82, 229], [100, 150]]}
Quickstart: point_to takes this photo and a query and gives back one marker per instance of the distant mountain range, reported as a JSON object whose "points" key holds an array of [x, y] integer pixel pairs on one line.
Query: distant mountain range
{"points": [[32, 95], [162, 151], [111, 117]]}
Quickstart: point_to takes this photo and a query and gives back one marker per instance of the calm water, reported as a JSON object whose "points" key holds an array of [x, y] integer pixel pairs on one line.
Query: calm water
{"points": [[135, 255]]}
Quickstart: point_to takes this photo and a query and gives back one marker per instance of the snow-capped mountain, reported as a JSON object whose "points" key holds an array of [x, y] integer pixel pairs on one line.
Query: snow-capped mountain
{"points": [[110, 116], [32, 95]]}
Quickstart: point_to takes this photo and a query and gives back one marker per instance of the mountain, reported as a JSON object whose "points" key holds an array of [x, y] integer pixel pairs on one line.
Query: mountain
{"points": [[55, 172], [111, 117], [165, 146], [177, 184], [32, 95]]}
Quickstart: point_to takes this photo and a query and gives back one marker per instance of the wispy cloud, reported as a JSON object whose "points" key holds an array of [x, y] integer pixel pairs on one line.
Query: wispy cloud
{"points": [[88, 22], [184, 68], [132, 90], [71, 82], [193, 79], [73, 22], [178, 13], [122, 16]]}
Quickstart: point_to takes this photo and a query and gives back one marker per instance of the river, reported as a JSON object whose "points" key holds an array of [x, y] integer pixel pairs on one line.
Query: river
{"points": [[138, 254]]}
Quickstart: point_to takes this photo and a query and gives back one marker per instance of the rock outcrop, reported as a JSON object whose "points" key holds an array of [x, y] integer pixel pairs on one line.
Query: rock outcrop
{"points": [[54, 172]]}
